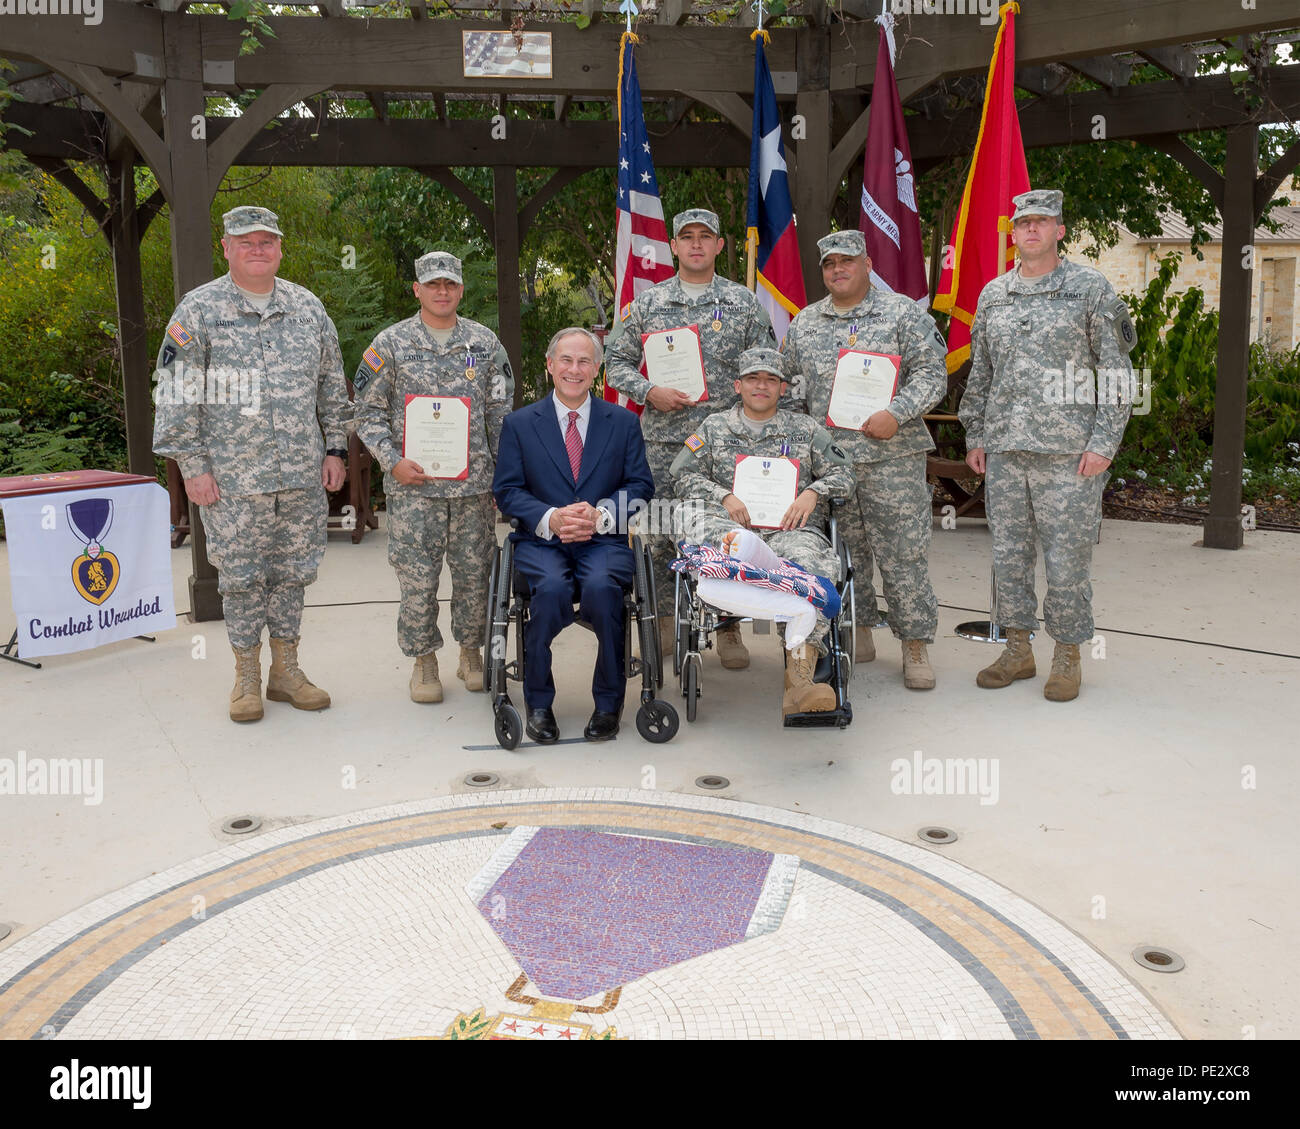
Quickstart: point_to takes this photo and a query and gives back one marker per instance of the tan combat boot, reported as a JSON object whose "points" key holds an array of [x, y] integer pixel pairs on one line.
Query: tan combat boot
{"points": [[733, 653], [246, 697], [1015, 661], [470, 670], [803, 695], [1067, 673], [286, 683], [918, 674], [865, 645], [425, 686]]}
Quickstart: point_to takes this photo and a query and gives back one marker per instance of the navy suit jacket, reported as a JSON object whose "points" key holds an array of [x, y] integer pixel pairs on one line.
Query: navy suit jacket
{"points": [[533, 472]]}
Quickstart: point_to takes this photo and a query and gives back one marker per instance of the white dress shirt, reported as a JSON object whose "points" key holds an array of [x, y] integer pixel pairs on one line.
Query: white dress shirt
{"points": [[605, 524]]}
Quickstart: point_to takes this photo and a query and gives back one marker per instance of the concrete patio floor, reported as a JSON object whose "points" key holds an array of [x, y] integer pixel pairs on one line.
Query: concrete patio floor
{"points": [[1151, 811]]}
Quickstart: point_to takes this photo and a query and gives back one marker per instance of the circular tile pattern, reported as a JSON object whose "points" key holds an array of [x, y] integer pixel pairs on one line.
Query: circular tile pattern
{"points": [[429, 920]]}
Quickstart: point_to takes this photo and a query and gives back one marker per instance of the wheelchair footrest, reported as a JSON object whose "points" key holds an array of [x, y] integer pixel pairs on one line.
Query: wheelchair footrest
{"points": [[838, 718]]}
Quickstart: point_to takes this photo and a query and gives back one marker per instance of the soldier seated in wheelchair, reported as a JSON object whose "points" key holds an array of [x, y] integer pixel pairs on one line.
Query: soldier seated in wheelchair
{"points": [[705, 474]]}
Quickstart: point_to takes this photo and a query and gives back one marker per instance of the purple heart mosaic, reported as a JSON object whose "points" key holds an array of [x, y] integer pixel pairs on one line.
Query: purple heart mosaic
{"points": [[584, 912]]}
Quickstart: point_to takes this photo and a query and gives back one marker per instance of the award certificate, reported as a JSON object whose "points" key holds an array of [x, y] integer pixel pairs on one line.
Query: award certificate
{"points": [[437, 435], [767, 486], [864, 384], [673, 359]]}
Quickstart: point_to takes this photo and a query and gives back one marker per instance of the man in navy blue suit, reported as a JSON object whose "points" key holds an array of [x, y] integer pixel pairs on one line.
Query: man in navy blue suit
{"points": [[560, 459]]}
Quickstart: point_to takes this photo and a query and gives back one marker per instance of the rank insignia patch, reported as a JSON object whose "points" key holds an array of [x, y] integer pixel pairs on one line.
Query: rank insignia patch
{"points": [[373, 359], [178, 333]]}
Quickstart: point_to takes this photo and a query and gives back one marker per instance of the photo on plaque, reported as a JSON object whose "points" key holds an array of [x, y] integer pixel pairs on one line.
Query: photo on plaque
{"points": [[673, 358], [864, 384], [767, 486], [436, 435], [506, 54]]}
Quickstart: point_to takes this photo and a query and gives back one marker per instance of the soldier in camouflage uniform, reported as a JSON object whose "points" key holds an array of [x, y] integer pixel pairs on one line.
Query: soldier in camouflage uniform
{"points": [[730, 320], [434, 352], [1046, 403], [249, 375], [704, 471], [890, 512]]}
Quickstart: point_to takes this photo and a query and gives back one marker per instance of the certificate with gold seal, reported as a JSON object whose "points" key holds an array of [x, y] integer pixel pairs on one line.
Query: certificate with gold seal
{"points": [[767, 486], [437, 435], [864, 384], [674, 359]]}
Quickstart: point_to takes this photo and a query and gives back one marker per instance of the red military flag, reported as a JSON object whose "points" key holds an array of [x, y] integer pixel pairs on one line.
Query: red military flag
{"points": [[642, 256], [888, 218], [980, 246]]}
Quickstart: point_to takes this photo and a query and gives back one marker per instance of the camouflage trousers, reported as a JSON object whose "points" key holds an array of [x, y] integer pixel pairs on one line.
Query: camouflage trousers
{"points": [[267, 548], [662, 545], [890, 514], [1031, 496], [420, 531], [810, 549]]}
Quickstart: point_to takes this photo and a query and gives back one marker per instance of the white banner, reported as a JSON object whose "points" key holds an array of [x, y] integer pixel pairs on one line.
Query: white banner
{"points": [[88, 567]]}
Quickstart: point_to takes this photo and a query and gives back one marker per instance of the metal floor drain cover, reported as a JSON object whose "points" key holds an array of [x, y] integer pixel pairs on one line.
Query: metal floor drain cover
{"points": [[712, 783], [241, 824], [937, 835], [1155, 959], [482, 779]]}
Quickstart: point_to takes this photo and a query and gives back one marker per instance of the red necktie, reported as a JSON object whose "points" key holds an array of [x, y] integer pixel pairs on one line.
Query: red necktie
{"points": [[573, 444]]}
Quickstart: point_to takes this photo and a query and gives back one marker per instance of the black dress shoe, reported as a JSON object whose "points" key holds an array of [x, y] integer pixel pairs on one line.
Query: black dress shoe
{"points": [[542, 728], [601, 727]]}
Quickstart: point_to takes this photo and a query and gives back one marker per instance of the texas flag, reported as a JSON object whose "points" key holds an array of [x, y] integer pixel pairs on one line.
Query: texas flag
{"points": [[771, 235]]}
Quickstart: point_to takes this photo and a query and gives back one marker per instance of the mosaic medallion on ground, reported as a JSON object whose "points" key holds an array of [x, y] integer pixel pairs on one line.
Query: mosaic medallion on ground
{"points": [[567, 915]]}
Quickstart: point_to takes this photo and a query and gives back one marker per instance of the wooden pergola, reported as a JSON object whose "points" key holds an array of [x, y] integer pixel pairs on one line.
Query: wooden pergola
{"points": [[133, 90]]}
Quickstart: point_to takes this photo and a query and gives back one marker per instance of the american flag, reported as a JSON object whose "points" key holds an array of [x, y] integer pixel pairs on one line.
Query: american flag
{"points": [[642, 256]]}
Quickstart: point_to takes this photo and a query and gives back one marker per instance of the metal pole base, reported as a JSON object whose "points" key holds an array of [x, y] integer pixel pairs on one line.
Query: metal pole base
{"points": [[10, 651], [982, 631]]}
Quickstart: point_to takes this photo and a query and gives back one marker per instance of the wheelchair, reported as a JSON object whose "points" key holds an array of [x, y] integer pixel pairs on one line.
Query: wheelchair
{"points": [[697, 620], [508, 600]]}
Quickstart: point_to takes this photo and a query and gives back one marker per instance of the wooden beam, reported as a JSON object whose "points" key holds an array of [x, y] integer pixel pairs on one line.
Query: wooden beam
{"points": [[270, 104], [545, 194], [1267, 185], [1223, 528], [809, 185], [379, 105], [1211, 179], [80, 190], [1172, 60], [479, 209], [562, 104], [1103, 69], [673, 12]]}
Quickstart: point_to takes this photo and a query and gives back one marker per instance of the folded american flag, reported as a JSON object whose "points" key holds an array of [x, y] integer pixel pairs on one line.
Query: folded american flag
{"points": [[714, 564]]}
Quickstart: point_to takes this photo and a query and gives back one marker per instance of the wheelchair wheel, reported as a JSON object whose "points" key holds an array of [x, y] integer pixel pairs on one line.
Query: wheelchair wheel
{"points": [[691, 684], [508, 726], [656, 721]]}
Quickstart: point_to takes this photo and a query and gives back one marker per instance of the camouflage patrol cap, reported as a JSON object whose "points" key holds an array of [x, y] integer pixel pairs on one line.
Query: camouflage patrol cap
{"points": [[1038, 202], [851, 242], [437, 264], [761, 360], [241, 221], [696, 215]]}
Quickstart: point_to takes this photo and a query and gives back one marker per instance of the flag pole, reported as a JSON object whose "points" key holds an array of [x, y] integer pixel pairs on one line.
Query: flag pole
{"points": [[751, 236]]}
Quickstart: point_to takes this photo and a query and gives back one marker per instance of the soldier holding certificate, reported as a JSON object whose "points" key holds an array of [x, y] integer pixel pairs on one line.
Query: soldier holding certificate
{"points": [[711, 320], [432, 392], [759, 467], [872, 363]]}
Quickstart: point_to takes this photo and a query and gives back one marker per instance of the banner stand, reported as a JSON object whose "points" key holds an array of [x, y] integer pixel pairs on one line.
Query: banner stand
{"points": [[10, 650]]}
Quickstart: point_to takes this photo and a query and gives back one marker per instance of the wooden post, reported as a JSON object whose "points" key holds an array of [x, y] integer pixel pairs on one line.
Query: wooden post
{"points": [[132, 334], [813, 104], [191, 231], [505, 241], [1223, 529]]}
